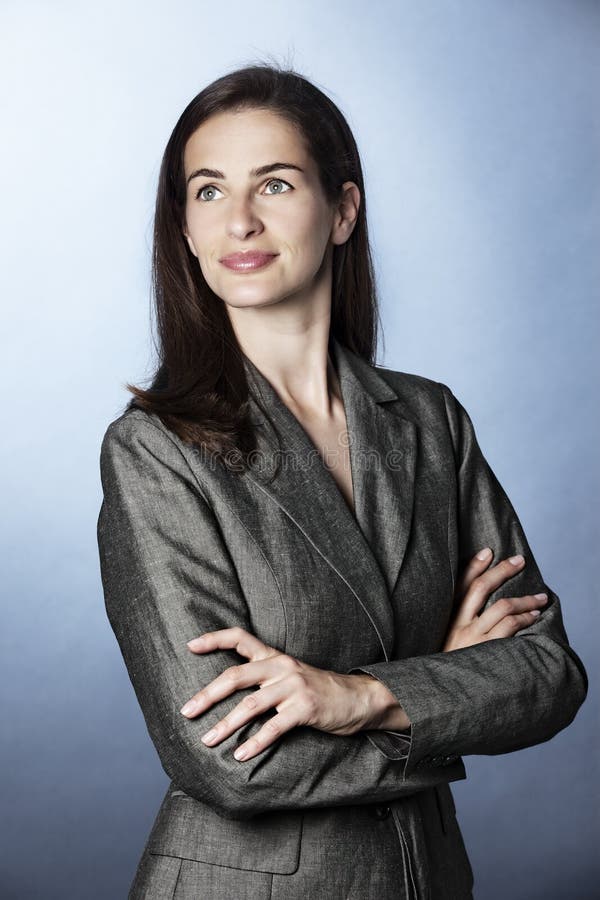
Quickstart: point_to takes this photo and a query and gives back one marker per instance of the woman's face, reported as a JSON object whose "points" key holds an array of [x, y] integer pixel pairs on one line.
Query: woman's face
{"points": [[282, 211]]}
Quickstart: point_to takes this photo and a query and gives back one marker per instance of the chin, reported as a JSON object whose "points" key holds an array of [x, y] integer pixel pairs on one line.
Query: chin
{"points": [[246, 295], [251, 302]]}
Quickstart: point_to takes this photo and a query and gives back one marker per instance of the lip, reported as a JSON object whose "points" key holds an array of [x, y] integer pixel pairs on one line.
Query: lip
{"points": [[247, 261]]}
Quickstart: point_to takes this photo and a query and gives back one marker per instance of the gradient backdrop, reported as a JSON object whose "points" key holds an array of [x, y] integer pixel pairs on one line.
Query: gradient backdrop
{"points": [[478, 123]]}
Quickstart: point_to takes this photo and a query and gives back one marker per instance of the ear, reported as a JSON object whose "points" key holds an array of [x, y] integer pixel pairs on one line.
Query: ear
{"points": [[346, 213], [190, 243]]}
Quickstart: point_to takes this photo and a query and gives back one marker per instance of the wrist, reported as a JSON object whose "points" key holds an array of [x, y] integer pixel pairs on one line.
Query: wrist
{"points": [[382, 710]]}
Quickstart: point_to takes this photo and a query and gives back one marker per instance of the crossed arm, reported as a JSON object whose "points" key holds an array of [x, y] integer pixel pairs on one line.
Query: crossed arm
{"points": [[501, 695], [167, 577], [303, 694]]}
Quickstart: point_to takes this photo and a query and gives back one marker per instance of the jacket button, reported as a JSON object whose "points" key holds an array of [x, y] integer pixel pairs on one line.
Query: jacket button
{"points": [[381, 812]]}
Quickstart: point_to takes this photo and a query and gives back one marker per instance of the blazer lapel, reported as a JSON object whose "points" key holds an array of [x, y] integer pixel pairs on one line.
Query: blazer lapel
{"points": [[366, 551], [383, 447]]}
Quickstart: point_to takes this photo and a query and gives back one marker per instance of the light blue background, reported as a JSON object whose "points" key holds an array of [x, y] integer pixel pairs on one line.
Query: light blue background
{"points": [[478, 126]]}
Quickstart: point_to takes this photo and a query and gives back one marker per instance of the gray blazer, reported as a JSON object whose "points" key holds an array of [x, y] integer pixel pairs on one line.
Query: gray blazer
{"points": [[186, 547]]}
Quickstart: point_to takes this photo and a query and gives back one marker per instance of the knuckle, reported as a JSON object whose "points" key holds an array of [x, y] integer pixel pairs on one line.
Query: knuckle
{"points": [[313, 707], [250, 701], [298, 680], [505, 605], [290, 664], [233, 673], [309, 703], [501, 630], [477, 590], [272, 727]]}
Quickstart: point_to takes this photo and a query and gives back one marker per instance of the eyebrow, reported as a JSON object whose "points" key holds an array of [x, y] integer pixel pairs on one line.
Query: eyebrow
{"points": [[255, 173]]}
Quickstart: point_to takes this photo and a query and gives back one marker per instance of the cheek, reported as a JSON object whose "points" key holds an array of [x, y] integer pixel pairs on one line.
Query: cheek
{"points": [[317, 234], [304, 239], [202, 237], [203, 226]]}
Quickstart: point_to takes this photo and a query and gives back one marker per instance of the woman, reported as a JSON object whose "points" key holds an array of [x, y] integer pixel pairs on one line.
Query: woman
{"points": [[290, 536]]}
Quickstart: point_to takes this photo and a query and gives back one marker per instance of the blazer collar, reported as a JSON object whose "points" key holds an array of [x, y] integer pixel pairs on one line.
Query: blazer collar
{"points": [[366, 551]]}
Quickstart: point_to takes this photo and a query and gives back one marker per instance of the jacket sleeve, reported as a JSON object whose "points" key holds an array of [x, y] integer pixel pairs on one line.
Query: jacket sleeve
{"points": [[168, 577], [504, 694]]}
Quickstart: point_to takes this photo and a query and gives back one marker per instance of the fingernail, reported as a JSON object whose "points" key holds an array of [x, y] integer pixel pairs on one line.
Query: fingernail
{"points": [[541, 596], [516, 560], [240, 753], [188, 708], [483, 554], [535, 612], [209, 735]]}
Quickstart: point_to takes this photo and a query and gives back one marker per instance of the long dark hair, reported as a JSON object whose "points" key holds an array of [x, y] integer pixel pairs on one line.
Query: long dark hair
{"points": [[199, 389]]}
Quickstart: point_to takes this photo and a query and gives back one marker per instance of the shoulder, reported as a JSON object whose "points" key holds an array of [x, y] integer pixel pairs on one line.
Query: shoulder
{"points": [[419, 395], [139, 439], [136, 425], [141, 457], [408, 383], [430, 404]]}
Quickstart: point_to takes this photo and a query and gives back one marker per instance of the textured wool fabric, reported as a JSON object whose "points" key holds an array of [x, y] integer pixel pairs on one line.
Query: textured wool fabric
{"points": [[187, 547]]}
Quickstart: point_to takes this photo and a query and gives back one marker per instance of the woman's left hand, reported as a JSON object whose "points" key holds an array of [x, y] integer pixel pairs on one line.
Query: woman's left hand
{"points": [[301, 693]]}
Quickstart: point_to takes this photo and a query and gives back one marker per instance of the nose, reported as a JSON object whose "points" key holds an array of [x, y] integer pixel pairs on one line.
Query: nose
{"points": [[242, 220]]}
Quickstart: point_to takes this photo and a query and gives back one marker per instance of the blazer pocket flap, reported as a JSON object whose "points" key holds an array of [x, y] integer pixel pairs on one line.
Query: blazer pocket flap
{"points": [[187, 828]]}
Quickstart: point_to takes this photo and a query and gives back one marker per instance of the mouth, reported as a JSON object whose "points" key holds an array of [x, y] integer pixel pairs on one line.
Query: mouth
{"points": [[248, 261]]}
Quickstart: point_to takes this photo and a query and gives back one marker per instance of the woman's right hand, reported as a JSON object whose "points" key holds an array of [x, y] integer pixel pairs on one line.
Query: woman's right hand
{"points": [[503, 618]]}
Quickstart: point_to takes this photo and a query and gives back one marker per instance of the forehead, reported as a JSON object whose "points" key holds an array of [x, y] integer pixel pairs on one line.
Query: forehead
{"points": [[235, 142]]}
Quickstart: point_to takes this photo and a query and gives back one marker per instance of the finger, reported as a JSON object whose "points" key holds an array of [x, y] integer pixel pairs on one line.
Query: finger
{"points": [[485, 584], [476, 565], [265, 736], [509, 606], [235, 638], [509, 626], [251, 706], [232, 679]]}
